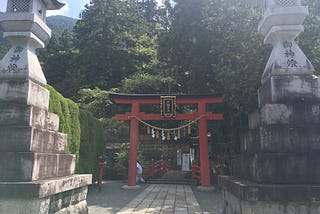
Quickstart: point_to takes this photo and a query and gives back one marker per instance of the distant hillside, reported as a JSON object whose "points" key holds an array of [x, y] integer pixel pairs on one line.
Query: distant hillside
{"points": [[56, 23], [60, 23]]}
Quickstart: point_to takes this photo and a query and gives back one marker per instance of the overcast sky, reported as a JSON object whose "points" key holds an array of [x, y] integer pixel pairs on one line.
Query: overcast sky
{"points": [[72, 7]]}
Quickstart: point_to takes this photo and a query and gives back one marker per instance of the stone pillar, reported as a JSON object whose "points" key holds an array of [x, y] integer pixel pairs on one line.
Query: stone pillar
{"points": [[278, 171], [36, 174]]}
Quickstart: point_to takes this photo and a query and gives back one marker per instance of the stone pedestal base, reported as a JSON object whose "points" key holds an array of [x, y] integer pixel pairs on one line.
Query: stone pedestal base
{"points": [[206, 189], [242, 196], [73, 201], [59, 195], [126, 187]]}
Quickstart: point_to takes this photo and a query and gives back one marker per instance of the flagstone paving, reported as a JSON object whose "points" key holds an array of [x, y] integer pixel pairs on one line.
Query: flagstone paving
{"points": [[152, 199]]}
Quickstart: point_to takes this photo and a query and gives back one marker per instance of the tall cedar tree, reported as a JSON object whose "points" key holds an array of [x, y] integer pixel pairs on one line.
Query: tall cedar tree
{"points": [[115, 40]]}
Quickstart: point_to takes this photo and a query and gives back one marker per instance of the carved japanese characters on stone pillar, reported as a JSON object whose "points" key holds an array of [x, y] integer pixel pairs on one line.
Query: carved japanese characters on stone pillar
{"points": [[24, 26], [281, 23]]}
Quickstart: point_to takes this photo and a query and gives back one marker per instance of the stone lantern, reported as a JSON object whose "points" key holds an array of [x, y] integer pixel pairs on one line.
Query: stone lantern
{"points": [[36, 173], [281, 23], [24, 26], [278, 169]]}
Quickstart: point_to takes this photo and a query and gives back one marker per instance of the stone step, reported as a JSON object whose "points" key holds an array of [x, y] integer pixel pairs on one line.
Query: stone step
{"points": [[57, 195], [12, 115], [43, 188], [191, 182], [30, 166], [27, 139], [23, 92]]}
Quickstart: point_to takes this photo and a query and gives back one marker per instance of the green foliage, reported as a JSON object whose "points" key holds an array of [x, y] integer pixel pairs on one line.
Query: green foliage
{"points": [[115, 39], [213, 46], [309, 40], [92, 143], [75, 129], [85, 133], [60, 64], [122, 161], [117, 131], [141, 83], [95, 101], [69, 124]]}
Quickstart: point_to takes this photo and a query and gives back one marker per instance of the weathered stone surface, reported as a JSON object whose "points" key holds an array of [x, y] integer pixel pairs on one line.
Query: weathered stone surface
{"points": [[25, 206], [242, 196], [251, 191], [281, 168], [282, 114], [290, 89], [234, 205], [66, 165], [71, 201], [282, 138], [43, 188], [63, 202], [28, 166], [236, 166], [26, 139], [23, 92], [80, 208], [11, 115]]}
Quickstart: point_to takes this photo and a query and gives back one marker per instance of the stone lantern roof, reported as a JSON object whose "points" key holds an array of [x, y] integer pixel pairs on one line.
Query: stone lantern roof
{"points": [[53, 4]]}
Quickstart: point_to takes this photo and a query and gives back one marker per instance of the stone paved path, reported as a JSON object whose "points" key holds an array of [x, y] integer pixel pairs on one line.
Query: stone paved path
{"points": [[164, 199], [152, 199]]}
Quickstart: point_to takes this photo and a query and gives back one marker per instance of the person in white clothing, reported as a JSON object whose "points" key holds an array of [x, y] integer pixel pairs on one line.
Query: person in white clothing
{"points": [[139, 177]]}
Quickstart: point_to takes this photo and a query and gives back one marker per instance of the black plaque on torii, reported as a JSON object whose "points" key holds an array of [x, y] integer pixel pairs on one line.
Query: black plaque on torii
{"points": [[168, 106]]}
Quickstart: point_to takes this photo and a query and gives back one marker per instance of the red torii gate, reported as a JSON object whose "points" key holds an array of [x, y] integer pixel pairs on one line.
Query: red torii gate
{"points": [[135, 100]]}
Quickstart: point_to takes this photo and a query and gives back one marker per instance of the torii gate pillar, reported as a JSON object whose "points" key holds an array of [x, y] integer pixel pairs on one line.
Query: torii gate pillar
{"points": [[133, 153], [203, 143]]}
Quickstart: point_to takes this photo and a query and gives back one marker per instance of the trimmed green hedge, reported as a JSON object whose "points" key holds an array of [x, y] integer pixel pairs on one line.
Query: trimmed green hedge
{"points": [[85, 132], [68, 113], [92, 143]]}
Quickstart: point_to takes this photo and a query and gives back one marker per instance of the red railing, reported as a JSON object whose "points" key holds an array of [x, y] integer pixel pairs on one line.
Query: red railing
{"points": [[155, 168], [196, 171]]}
